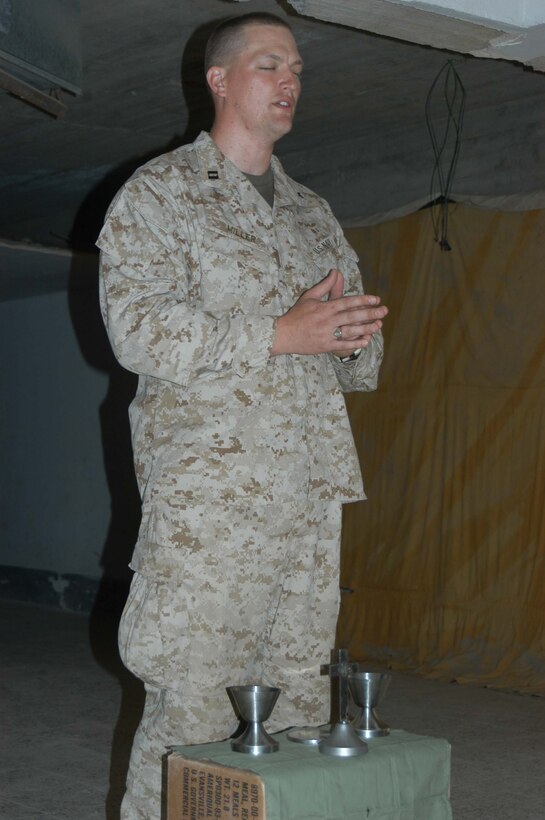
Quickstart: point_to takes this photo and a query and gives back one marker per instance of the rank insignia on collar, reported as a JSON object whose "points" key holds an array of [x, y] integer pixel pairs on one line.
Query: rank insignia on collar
{"points": [[213, 175]]}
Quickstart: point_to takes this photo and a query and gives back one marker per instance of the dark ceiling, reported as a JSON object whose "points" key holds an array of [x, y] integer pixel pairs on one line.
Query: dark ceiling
{"points": [[360, 136]]}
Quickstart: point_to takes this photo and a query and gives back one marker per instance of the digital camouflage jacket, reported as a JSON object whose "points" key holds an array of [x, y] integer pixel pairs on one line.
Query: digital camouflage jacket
{"points": [[195, 268]]}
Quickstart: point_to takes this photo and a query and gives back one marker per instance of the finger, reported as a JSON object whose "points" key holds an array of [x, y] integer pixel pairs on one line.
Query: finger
{"points": [[352, 333], [338, 288], [362, 300], [369, 329], [362, 316], [321, 288]]}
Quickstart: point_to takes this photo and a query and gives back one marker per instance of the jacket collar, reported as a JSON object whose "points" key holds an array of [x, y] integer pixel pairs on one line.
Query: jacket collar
{"points": [[216, 170]]}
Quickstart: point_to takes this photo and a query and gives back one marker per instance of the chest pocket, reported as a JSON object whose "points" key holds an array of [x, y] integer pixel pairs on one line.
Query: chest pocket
{"points": [[326, 253], [235, 267]]}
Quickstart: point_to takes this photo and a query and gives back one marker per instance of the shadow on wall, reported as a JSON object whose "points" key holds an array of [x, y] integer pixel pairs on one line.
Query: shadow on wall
{"points": [[90, 217], [94, 344], [95, 347], [116, 444]]}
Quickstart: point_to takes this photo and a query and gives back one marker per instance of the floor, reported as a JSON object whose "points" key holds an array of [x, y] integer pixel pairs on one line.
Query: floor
{"points": [[68, 710]]}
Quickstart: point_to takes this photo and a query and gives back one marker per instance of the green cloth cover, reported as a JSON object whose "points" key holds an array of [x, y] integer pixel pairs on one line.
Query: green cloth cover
{"points": [[403, 777]]}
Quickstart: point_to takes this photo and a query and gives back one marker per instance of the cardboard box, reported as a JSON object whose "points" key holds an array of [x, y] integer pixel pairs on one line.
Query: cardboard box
{"points": [[203, 789]]}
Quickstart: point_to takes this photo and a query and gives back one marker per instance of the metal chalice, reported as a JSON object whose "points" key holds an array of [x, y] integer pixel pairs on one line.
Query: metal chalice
{"points": [[253, 704], [367, 690]]}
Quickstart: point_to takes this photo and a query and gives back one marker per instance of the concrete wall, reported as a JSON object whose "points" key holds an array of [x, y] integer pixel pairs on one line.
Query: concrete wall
{"points": [[68, 504]]}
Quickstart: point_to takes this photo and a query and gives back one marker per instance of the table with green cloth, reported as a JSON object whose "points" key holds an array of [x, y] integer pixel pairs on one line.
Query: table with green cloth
{"points": [[402, 777]]}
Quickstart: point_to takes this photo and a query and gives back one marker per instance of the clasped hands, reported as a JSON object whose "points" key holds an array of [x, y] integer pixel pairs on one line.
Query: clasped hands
{"points": [[308, 326]]}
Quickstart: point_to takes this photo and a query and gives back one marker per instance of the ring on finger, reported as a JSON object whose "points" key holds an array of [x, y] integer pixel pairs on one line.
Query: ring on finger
{"points": [[338, 333]]}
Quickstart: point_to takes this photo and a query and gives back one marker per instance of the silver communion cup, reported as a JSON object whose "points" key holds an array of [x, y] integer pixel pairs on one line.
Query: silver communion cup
{"points": [[253, 704], [367, 690]]}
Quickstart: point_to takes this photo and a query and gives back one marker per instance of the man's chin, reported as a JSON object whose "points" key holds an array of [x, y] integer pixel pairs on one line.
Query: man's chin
{"points": [[281, 129]]}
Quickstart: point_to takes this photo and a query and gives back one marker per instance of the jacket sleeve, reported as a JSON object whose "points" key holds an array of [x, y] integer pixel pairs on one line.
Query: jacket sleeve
{"points": [[360, 375], [150, 297]]}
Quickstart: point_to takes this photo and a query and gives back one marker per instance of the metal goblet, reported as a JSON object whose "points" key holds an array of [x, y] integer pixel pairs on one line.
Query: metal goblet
{"points": [[368, 690], [254, 703]]}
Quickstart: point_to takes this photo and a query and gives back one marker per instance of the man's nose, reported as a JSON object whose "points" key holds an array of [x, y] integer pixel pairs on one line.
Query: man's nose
{"points": [[288, 79]]}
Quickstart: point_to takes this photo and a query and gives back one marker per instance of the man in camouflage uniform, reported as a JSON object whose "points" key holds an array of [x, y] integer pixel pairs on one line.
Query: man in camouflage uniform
{"points": [[235, 316]]}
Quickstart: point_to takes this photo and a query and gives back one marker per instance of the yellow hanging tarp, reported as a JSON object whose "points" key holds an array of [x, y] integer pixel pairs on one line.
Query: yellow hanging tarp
{"points": [[446, 560]]}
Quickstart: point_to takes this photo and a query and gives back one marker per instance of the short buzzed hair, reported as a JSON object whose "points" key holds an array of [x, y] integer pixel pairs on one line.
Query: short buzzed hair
{"points": [[227, 37]]}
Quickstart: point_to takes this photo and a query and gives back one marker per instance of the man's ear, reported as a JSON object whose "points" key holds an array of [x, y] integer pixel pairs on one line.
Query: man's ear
{"points": [[215, 77]]}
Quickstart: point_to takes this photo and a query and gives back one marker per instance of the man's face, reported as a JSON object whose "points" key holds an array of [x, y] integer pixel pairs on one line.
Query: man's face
{"points": [[262, 82]]}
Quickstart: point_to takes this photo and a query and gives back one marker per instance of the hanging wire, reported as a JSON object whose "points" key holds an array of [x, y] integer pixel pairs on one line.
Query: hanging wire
{"points": [[453, 97]]}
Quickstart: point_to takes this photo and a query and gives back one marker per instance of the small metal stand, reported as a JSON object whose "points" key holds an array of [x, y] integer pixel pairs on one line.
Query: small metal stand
{"points": [[309, 735], [343, 740]]}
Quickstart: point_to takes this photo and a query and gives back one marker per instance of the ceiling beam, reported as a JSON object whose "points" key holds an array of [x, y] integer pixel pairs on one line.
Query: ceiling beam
{"points": [[45, 102], [439, 28]]}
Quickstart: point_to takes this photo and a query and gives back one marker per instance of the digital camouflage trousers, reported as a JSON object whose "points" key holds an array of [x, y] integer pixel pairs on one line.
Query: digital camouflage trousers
{"points": [[253, 598]]}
